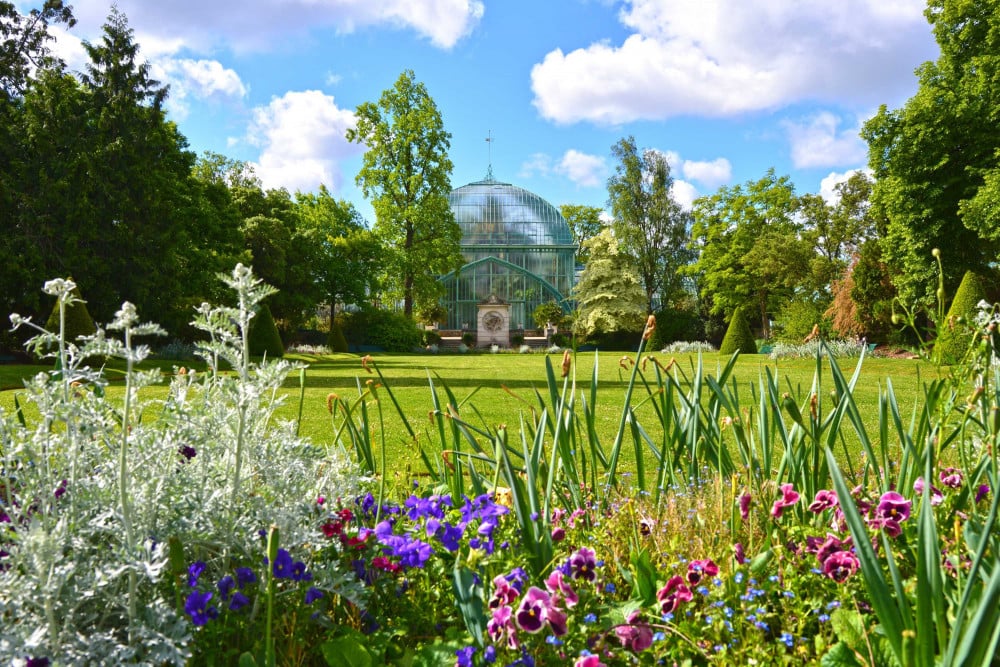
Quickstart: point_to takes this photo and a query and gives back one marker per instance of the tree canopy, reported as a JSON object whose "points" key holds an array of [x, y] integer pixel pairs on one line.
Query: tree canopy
{"points": [[650, 225], [584, 223], [609, 293], [406, 173], [936, 160]]}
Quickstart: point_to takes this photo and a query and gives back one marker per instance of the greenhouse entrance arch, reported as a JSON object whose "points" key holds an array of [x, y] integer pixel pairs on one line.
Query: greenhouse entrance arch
{"points": [[517, 248]]}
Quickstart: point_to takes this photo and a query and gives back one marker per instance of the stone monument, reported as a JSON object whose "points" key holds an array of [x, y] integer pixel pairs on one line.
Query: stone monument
{"points": [[493, 322]]}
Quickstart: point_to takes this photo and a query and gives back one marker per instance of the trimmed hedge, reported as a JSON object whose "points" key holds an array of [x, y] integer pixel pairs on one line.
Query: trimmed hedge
{"points": [[393, 332], [738, 337], [953, 339], [264, 339]]}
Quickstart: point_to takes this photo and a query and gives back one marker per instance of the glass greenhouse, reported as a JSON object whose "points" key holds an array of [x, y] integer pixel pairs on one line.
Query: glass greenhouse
{"points": [[517, 247]]}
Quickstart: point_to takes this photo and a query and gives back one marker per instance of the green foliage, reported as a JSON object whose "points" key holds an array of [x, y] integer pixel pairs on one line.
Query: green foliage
{"points": [[78, 319], [432, 313], [679, 323], [546, 313], [752, 249], [738, 336], [413, 219], [609, 294], [431, 337], [651, 227], [930, 194], [335, 339], [584, 223], [391, 331], [469, 338], [796, 320], [264, 339], [955, 333], [516, 339]]}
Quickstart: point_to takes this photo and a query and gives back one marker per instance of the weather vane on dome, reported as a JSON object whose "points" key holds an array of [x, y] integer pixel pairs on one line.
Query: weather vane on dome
{"points": [[489, 143]]}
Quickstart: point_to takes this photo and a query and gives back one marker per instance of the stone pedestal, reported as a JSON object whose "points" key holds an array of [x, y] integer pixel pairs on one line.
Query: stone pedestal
{"points": [[493, 323]]}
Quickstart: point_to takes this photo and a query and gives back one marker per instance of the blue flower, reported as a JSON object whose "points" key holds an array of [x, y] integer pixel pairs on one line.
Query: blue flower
{"points": [[196, 606], [299, 572], [313, 594], [194, 571], [590, 618], [464, 656], [490, 654], [609, 587], [283, 565], [239, 601], [788, 639], [245, 577], [225, 587]]}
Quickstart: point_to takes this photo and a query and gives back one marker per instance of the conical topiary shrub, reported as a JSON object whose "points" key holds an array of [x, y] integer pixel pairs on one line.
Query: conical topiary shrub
{"points": [[954, 335], [738, 337], [264, 339], [78, 319], [336, 341]]}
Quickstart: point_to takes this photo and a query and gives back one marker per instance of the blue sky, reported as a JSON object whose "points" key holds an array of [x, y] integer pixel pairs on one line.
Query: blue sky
{"points": [[726, 88]]}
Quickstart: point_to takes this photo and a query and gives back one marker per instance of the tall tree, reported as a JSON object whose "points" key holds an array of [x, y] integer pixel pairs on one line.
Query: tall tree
{"points": [[407, 173], [648, 222], [610, 295], [751, 251], [936, 159], [346, 255], [584, 223]]}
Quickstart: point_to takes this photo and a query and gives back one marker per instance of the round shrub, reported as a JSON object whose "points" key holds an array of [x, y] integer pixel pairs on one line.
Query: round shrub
{"points": [[547, 312], [469, 338], [264, 339], [953, 339], [559, 340], [738, 336], [431, 337], [516, 339], [335, 339], [78, 319]]}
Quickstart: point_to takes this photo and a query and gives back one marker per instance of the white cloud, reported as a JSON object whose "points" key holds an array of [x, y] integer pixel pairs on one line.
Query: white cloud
{"points": [[726, 57], [588, 171], [684, 194], [827, 186], [538, 164], [710, 174], [819, 142], [199, 79], [263, 24], [332, 79], [301, 135]]}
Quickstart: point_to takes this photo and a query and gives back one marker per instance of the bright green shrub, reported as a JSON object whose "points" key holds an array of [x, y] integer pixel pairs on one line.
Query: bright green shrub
{"points": [[953, 339], [78, 319], [797, 319], [335, 340], [264, 339], [393, 332], [738, 336], [550, 311]]}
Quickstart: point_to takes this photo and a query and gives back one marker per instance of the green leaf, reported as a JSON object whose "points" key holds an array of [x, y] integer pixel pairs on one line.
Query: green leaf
{"points": [[840, 655], [247, 660], [345, 652], [645, 577], [469, 599], [760, 561], [848, 627]]}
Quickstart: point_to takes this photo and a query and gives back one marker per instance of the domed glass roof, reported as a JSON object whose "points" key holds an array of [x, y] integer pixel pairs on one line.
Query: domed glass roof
{"points": [[500, 214]]}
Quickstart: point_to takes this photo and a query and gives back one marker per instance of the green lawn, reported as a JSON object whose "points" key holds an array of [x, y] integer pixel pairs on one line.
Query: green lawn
{"points": [[500, 388]]}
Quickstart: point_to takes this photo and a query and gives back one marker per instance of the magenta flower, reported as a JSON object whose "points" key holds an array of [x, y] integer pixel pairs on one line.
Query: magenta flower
{"points": [[982, 492], [589, 661], [831, 545], [502, 624], [890, 526], [673, 593], [893, 506], [697, 569], [841, 565], [739, 554], [583, 564], [951, 477], [825, 499], [789, 496], [635, 636], [936, 495], [534, 609], [558, 586], [503, 592], [745, 506], [558, 534]]}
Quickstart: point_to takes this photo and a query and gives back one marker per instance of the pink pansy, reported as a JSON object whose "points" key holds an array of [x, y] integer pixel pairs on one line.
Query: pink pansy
{"points": [[951, 477], [893, 506], [673, 593], [841, 565], [503, 592], [589, 661], [825, 499], [936, 495], [789, 496], [635, 636], [739, 554], [745, 506], [501, 624], [557, 585], [537, 609], [831, 545], [697, 569]]}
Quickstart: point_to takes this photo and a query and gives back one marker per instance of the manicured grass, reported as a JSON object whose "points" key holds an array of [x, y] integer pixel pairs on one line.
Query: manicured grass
{"points": [[495, 389]]}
